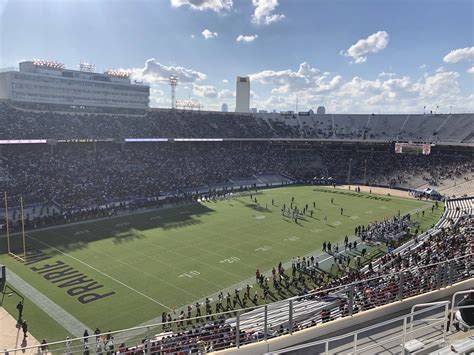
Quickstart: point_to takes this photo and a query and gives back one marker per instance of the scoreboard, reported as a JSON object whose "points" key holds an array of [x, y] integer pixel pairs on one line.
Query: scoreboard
{"points": [[412, 148]]}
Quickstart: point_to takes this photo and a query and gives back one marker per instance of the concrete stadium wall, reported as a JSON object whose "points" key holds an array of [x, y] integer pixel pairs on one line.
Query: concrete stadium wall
{"points": [[321, 330]]}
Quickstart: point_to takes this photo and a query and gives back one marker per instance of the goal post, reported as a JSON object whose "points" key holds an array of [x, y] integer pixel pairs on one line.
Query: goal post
{"points": [[18, 252], [7, 226]]}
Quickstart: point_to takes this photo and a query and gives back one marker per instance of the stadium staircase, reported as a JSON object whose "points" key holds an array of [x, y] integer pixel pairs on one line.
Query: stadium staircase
{"points": [[456, 208]]}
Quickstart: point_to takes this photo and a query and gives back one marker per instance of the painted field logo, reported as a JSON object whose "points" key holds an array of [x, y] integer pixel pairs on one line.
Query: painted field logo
{"points": [[60, 274]]}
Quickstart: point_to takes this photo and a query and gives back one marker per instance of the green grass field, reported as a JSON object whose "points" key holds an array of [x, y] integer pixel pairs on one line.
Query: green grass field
{"points": [[165, 259]]}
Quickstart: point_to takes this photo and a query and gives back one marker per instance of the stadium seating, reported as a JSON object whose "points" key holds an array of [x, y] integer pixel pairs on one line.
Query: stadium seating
{"points": [[48, 123], [66, 181]]}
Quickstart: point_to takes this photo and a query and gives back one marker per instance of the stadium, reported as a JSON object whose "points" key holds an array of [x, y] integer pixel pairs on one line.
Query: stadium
{"points": [[132, 229]]}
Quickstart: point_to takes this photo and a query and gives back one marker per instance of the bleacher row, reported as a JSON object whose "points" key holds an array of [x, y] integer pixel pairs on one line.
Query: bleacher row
{"points": [[278, 315], [48, 123], [426, 127], [455, 208]]}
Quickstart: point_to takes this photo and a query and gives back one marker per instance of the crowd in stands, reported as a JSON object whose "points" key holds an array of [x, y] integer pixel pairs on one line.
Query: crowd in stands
{"points": [[48, 122], [419, 263], [19, 123], [86, 178], [79, 181]]}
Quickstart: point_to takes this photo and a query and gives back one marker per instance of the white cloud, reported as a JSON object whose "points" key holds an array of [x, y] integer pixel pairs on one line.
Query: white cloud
{"points": [[215, 5], [459, 54], [193, 36], [387, 74], [226, 94], [225, 81], [471, 70], [373, 44], [209, 34], [285, 81], [246, 39], [264, 12], [440, 85], [423, 66], [206, 91], [358, 95], [155, 72]]}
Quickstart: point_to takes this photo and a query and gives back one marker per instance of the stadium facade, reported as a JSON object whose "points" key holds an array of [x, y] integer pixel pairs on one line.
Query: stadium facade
{"points": [[51, 83]]}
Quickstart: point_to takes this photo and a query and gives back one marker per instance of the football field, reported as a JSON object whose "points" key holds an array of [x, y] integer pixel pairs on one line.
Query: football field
{"points": [[123, 271]]}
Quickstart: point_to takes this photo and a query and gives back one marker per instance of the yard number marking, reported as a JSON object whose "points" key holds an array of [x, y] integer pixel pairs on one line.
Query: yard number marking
{"points": [[230, 260], [190, 274], [264, 248]]}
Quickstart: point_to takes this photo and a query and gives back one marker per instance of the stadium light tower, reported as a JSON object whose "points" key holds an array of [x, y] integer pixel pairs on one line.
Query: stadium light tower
{"points": [[173, 82], [86, 67]]}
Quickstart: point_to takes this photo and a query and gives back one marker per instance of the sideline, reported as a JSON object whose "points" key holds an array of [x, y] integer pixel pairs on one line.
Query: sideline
{"points": [[64, 318]]}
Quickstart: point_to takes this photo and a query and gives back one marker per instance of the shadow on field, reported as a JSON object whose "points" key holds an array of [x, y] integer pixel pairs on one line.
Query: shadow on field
{"points": [[121, 230], [254, 206]]}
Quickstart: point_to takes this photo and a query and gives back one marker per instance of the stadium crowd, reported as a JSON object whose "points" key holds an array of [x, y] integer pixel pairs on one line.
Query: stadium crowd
{"points": [[71, 180], [19, 123], [28, 121]]}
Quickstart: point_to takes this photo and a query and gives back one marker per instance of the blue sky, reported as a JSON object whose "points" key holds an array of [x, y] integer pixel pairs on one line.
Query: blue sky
{"points": [[349, 55]]}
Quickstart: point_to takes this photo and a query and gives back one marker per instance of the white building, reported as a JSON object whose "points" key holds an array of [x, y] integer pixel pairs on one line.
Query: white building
{"points": [[242, 101], [50, 82]]}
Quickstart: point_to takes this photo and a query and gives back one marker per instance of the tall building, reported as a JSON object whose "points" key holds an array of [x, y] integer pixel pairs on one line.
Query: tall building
{"points": [[40, 81], [242, 101], [225, 108]]}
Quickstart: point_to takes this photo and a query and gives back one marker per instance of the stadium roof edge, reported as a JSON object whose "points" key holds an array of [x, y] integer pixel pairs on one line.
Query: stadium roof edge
{"points": [[194, 140]]}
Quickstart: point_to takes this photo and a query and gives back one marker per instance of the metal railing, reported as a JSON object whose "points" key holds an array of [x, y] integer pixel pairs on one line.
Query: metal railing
{"points": [[406, 327], [236, 328], [455, 305]]}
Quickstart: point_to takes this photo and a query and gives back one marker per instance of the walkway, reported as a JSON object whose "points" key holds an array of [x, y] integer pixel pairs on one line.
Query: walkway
{"points": [[11, 335], [65, 319]]}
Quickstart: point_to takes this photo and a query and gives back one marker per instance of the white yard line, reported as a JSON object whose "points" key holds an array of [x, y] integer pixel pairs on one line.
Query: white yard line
{"points": [[103, 273]]}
